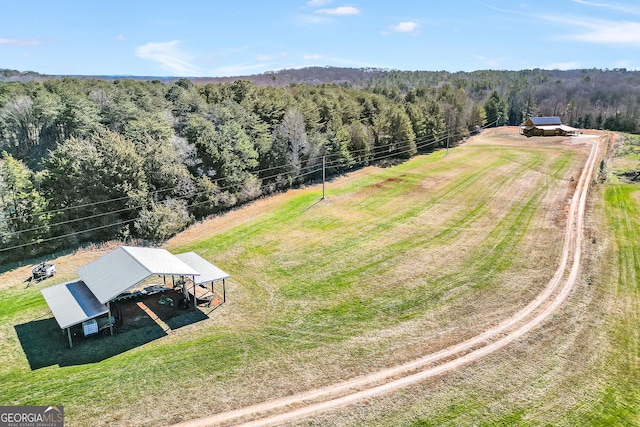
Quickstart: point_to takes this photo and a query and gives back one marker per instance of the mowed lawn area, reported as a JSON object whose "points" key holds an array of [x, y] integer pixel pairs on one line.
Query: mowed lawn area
{"points": [[394, 263]]}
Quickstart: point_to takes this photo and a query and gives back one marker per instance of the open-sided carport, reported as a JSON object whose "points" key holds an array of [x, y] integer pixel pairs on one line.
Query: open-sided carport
{"points": [[116, 272], [73, 303], [209, 273]]}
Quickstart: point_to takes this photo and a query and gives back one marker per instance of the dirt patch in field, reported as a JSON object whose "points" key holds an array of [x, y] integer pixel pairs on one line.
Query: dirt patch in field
{"points": [[386, 182]]}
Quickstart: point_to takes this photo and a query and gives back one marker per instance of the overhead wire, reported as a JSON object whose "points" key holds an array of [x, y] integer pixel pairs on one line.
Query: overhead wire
{"points": [[155, 192], [420, 143], [297, 176], [338, 162], [48, 239], [163, 190]]}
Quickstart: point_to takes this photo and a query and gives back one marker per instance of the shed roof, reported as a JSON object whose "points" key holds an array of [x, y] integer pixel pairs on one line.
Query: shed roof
{"points": [[119, 270], [208, 271], [72, 303], [564, 128], [568, 128], [545, 121]]}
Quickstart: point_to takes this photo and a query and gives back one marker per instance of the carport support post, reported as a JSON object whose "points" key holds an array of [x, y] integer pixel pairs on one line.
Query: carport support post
{"points": [[69, 335], [195, 299], [224, 292], [110, 322], [185, 292]]}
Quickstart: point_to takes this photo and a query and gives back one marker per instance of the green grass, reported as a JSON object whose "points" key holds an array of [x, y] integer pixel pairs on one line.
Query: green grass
{"points": [[629, 153], [618, 403], [305, 279], [599, 384]]}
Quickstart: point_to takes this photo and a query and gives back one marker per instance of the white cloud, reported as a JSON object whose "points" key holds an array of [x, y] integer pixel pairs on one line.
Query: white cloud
{"points": [[593, 30], [313, 57], [262, 57], [339, 11], [120, 38], [598, 30], [572, 65], [318, 3], [405, 27], [169, 57], [489, 62], [20, 42], [623, 63], [308, 20], [612, 6]]}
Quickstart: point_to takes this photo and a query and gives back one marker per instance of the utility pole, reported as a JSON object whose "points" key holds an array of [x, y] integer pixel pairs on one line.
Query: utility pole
{"points": [[324, 162], [448, 137]]}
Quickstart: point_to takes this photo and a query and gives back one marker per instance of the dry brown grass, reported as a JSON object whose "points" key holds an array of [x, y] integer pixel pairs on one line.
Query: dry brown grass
{"points": [[550, 377], [463, 314], [66, 266], [527, 374]]}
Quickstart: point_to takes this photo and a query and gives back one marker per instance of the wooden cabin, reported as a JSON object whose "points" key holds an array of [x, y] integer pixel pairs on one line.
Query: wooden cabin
{"points": [[546, 126]]}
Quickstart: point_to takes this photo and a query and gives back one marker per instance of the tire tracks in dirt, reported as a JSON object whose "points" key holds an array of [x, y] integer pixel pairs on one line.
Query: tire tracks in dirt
{"points": [[335, 396]]}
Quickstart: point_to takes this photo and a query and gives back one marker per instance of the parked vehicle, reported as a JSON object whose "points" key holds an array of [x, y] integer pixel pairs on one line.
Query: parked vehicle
{"points": [[43, 270]]}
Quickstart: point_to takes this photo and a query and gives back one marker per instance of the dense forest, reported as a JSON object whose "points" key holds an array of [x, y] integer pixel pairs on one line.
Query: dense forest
{"points": [[91, 159]]}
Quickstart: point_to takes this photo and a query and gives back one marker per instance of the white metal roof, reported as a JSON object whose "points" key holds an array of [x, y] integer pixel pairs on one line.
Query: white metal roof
{"points": [[555, 127], [72, 303], [208, 271], [119, 270]]}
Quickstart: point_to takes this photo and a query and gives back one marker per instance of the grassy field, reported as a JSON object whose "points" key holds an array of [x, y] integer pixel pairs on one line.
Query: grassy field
{"points": [[394, 263]]}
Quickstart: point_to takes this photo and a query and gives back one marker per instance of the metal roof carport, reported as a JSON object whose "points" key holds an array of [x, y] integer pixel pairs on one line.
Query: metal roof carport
{"points": [[123, 268], [107, 277], [208, 271], [73, 303]]}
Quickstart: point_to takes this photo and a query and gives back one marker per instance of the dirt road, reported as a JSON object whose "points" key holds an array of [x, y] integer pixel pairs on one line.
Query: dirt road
{"points": [[338, 395]]}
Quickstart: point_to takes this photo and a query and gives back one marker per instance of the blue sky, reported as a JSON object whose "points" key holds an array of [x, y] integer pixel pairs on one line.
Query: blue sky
{"points": [[240, 37]]}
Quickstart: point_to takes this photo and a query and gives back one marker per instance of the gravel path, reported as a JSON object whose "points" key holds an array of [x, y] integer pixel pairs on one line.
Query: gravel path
{"points": [[338, 395]]}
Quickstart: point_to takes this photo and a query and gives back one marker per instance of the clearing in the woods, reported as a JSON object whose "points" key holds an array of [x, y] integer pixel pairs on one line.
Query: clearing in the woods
{"points": [[395, 264]]}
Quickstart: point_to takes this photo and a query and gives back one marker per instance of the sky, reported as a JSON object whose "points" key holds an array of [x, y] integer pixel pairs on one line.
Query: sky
{"points": [[213, 38]]}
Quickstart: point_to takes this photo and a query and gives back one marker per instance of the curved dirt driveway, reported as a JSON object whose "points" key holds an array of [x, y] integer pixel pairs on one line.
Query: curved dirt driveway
{"points": [[338, 395]]}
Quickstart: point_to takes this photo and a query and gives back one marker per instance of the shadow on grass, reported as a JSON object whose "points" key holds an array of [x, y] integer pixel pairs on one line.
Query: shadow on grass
{"points": [[187, 318], [45, 344], [313, 205]]}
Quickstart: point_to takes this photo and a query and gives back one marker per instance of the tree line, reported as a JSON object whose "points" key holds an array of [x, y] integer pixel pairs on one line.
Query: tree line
{"points": [[85, 160], [584, 98]]}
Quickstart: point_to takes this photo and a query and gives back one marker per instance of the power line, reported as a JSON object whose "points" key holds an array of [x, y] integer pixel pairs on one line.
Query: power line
{"points": [[66, 235], [84, 218], [124, 221], [420, 144], [163, 190], [338, 161], [155, 192]]}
